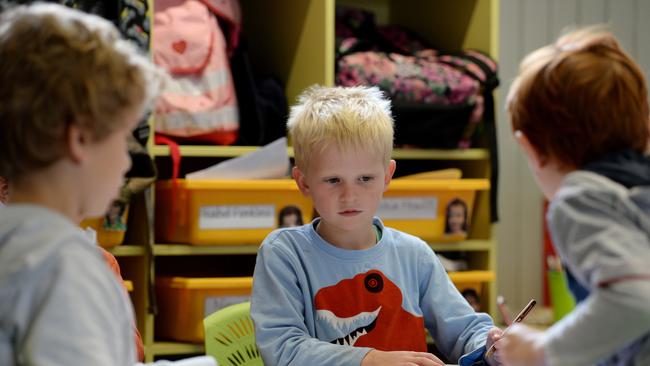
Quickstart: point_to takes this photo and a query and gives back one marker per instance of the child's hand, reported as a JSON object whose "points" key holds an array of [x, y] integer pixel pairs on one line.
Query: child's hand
{"points": [[522, 346], [494, 335], [400, 358]]}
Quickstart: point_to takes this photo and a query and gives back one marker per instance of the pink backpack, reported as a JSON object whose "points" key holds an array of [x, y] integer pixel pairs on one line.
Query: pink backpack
{"points": [[199, 103]]}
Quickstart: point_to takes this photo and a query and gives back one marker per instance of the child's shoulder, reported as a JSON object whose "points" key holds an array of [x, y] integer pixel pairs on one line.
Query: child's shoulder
{"points": [[583, 180], [586, 193], [32, 236], [398, 234], [582, 185], [289, 236], [403, 239], [47, 251]]}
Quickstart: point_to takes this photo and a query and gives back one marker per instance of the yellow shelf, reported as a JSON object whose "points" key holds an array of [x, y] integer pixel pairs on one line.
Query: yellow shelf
{"points": [[127, 250], [441, 154], [463, 277], [208, 151], [466, 245], [176, 348], [184, 249], [412, 154]]}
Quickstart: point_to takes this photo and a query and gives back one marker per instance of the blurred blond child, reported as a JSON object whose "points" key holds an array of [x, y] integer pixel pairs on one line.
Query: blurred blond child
{"points": [[72, 91], [108, 257]]}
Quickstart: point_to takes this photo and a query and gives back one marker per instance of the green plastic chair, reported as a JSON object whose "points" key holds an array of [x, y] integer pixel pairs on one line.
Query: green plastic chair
{"points": [[230, 336]]}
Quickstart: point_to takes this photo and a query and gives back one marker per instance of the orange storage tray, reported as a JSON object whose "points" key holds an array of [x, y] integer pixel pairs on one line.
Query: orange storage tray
{"points": [[421, 207], [224, 212], [183, 303]]}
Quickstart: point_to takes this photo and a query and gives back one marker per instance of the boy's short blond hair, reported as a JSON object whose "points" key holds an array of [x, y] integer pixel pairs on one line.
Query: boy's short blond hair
{"points": [[61, 67], [348, 117], [580, 99]]}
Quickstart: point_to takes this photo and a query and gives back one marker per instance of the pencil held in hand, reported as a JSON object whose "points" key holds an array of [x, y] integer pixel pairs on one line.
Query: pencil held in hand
{"points": [[522, 314]]}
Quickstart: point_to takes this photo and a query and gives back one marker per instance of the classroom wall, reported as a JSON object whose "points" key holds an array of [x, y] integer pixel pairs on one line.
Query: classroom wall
{"points": [[524, 26]]}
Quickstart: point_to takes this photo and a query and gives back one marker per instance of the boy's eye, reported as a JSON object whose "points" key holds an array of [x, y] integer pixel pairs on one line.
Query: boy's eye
{"points": [[332, 180], [366, 178]]}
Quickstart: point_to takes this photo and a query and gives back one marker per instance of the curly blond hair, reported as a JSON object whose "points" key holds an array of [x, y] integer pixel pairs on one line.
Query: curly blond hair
{"points": [[61, 67]]}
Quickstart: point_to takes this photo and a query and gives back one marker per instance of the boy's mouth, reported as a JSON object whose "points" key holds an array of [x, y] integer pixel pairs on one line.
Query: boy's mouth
{"points": [[349, 212]]}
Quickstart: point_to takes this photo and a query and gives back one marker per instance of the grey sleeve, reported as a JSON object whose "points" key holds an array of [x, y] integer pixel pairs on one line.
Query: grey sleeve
{"points": [[608, 253], [599, 238], [80, 314], [602, 325]]}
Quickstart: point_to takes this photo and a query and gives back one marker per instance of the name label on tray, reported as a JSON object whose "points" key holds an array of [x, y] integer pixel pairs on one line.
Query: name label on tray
{"points": [[237, 217], [408, 208]]}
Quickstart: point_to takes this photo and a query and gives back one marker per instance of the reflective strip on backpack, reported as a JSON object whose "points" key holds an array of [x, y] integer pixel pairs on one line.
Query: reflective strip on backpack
{"points": [[199, 84], [183, 124]]}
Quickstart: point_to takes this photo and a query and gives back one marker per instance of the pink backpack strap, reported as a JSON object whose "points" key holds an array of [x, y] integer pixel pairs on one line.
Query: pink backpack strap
{"points": [[175, 153], [230, 12]]}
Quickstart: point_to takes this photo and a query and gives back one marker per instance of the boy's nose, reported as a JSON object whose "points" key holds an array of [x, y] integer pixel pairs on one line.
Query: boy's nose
{"points": [[348, 193]]}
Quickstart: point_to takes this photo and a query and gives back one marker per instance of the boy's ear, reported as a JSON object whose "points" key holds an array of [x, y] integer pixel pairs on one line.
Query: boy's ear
{"points": [[389, 173], [76, 140], [537, 159], [299, 177]]}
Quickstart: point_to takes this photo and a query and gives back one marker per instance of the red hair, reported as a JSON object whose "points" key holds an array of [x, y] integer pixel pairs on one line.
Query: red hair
{"points": [[4, 191], [580, 99]]}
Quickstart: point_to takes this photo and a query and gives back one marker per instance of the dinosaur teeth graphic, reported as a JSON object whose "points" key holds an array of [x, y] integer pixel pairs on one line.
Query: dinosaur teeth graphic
{"points": [[351, 339], [354, 327]]}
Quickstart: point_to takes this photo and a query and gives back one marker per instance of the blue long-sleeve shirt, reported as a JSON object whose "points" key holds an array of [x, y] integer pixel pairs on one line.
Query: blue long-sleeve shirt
{"points": [[317, 304]]}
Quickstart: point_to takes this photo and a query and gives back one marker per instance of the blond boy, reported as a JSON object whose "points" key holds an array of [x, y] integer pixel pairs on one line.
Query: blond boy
{"points": [[344, 289], [71, 93], [579, 110]]}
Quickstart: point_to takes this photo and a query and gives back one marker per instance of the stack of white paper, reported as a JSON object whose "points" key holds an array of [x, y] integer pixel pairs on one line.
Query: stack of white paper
{"points": [[269, 162]]}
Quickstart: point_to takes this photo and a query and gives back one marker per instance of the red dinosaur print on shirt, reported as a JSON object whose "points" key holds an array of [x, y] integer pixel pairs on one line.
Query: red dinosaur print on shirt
{"points": [[366, 311]]}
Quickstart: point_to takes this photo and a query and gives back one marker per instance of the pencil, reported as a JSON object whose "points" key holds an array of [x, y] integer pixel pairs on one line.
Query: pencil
{"points": [[522, 314]]}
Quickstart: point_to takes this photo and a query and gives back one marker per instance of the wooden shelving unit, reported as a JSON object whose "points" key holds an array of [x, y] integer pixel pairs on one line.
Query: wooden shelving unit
{"points": [[174, 348], [294, 40], [184, 249], [127, 250]]}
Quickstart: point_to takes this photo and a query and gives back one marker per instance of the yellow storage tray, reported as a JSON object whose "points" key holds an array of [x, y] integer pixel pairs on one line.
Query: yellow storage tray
{"points": [[183, 303], [425, 207], [110, 229], [225, 212], [128, 285], [471, 279]]}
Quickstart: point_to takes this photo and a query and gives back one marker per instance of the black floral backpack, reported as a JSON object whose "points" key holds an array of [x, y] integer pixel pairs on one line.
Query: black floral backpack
{"points": [[438, 99]]}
